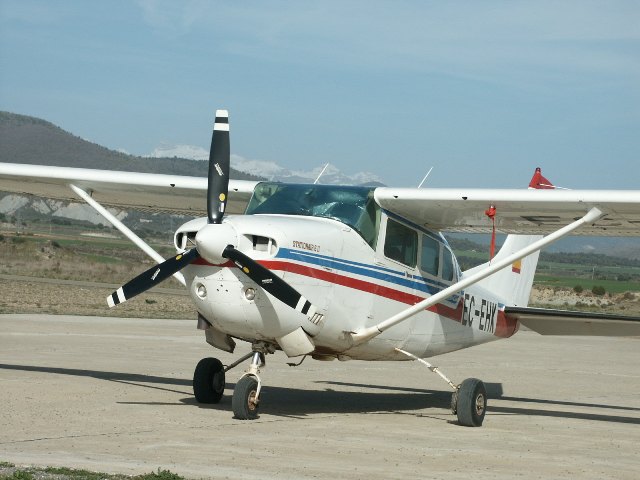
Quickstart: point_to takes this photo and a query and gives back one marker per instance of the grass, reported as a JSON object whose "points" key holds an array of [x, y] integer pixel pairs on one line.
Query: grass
{"points": [[611, 286], [9, 471]]}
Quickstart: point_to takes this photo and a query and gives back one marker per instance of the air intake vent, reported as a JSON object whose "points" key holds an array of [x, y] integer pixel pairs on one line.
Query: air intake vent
{"points": [[264, 244]]}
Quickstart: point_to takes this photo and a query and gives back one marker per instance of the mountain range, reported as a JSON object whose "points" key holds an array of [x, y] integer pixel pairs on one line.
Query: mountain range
{"points": [[25, 139], [271, 170]]}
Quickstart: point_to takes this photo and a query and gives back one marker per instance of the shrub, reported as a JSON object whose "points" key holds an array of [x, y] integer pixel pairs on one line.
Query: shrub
{"points": [[598, 290], [578, 289]]}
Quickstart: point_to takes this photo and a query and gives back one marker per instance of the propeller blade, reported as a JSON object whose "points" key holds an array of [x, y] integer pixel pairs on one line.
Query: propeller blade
{"points": [[151, 277], [273, 284], [218, 186]]}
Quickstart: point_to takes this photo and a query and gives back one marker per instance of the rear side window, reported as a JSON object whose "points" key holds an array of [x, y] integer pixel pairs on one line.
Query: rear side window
{"points": [[401, 243], [447, 265], [430, 255]]}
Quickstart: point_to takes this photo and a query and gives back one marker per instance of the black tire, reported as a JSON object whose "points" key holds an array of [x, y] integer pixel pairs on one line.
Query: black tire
{"points": [[243, 402], [454, 402], [208, 380], [472, 403]]}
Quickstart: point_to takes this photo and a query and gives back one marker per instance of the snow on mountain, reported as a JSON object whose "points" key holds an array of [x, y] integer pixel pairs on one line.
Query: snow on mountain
{"points": [[268, 169], [191, 152]]}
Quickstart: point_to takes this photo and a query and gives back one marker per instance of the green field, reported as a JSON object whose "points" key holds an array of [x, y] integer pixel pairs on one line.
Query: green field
{"points": [[611, 286]]}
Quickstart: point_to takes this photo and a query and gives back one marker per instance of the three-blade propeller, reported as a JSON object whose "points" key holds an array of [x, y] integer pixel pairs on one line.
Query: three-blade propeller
{"points": [[218, 188]]}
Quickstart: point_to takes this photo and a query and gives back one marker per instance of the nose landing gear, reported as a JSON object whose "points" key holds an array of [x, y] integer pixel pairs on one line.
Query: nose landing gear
{"points": [[209, 382]]}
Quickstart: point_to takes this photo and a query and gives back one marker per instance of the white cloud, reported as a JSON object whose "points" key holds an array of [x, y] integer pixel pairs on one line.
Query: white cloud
{"points": [[178, 18], [498, 41]]}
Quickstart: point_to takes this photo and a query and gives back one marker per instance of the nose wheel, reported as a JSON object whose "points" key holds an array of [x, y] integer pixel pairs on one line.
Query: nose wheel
{"points": [[246, 395], [245, 401]]}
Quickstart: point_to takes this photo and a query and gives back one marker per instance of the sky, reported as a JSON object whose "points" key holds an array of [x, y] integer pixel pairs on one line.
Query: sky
{"points": [[482, 91]]}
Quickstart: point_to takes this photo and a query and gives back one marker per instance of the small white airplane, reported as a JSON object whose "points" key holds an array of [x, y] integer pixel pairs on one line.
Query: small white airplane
{"points": [[345, 272]]}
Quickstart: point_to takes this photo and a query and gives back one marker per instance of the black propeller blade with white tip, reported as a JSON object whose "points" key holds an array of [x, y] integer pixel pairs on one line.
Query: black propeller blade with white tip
{"points": [[152, 277], [272, 283], [218, 186]]}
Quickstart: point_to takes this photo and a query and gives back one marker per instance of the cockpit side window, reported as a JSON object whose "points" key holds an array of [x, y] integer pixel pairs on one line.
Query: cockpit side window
{"points": [[401, 243]]}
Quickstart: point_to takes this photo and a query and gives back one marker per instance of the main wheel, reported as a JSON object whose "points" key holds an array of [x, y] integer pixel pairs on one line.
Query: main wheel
{"points": [[472, 403], [244, 401], [454, 402], [208, 380]]}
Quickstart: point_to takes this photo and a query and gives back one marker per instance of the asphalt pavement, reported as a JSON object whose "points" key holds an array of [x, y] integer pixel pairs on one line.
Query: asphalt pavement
{"points": [[115, 395]]}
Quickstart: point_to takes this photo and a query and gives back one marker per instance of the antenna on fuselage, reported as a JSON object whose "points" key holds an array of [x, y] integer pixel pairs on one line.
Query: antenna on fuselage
{"points": [[325, 167], [425, 177]]}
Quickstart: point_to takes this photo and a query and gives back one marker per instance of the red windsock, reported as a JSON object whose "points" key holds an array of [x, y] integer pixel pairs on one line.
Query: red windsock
{"points": [[491, 213]]}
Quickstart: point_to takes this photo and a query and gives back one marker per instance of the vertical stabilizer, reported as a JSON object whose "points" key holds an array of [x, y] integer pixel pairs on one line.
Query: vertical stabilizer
{"points": [[512, 285]]}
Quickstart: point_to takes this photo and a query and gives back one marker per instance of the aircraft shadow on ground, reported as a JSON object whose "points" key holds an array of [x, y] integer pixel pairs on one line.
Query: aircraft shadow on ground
{"points": [[290, 402]]}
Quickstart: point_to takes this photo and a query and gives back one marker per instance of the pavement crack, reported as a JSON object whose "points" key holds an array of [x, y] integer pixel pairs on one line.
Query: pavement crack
{"points": [[65, 437]]}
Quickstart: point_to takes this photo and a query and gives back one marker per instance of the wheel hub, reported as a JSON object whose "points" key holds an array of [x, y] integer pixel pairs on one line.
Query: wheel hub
{"points": [[252, 401], [480, 404]]}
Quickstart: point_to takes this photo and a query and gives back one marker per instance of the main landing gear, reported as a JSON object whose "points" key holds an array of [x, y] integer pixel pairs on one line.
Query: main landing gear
{"points": [[209, 382], [468, 400]]}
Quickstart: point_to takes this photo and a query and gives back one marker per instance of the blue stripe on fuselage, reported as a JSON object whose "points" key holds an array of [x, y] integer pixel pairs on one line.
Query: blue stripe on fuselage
{"points": [[396, 277]]}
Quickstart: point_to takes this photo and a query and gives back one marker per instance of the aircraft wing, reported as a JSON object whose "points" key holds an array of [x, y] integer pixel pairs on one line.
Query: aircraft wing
{"points": [[150, 192], [518, 211], [563, 322]]}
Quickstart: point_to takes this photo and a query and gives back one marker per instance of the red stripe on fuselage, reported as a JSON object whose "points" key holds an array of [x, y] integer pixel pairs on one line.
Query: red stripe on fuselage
{"points": [[505, 326]]}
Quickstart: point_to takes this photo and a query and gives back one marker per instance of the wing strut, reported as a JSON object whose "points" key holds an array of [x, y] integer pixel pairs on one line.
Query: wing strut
{"points": [[366, 334], [123, 229]]}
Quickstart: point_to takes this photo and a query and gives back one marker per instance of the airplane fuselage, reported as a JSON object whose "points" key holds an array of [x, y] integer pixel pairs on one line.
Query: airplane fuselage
{"points": [[352, 283]]}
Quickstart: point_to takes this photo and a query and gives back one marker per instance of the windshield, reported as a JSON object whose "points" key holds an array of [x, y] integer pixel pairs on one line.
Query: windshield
{"points": [[353, 206]]}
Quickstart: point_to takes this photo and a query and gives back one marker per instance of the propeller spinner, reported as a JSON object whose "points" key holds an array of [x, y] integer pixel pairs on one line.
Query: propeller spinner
{"points": [[215, 241]]}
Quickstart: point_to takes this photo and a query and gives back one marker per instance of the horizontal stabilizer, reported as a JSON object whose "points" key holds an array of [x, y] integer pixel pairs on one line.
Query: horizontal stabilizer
{"points": [[563, 322]]}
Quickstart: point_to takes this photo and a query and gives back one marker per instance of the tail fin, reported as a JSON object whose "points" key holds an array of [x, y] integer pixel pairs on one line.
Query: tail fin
{"points": [[513, 284]]}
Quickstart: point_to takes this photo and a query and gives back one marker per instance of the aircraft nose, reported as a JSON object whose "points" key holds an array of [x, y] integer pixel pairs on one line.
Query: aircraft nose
{"points": [[212, 239]]}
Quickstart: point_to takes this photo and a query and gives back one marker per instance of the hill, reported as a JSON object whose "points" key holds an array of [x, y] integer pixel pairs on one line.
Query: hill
{"points": [[25, 139]]}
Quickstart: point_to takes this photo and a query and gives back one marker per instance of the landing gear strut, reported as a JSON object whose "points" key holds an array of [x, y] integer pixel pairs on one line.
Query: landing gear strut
{"points": [[209, 382], [468, 400]]}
